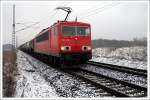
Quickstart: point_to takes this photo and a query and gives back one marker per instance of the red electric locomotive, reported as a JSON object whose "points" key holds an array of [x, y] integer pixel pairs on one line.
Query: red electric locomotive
{"points": [[68, 41], [63, 41]]}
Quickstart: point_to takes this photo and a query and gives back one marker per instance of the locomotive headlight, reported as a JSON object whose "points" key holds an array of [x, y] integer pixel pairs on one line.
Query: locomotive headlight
{"points": [[65, 48], [86, 48], [62, 48]]}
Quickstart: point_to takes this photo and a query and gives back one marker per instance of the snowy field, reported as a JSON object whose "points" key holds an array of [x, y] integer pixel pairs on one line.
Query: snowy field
{"points": [[36, 79], [135, 57]]}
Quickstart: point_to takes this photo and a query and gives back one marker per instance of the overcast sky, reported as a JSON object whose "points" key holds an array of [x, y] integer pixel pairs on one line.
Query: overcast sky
{"points": [[109, 20]]}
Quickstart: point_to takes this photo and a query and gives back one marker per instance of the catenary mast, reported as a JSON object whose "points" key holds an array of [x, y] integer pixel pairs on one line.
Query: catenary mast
{"points": [[13, 31]]}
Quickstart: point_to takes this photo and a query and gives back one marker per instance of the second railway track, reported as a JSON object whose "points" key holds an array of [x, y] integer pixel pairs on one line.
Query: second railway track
{"points": [[120, 68], [113, 86]]}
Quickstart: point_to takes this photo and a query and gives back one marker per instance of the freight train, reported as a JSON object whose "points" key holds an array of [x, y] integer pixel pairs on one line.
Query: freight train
{"points": [[64, 41]]}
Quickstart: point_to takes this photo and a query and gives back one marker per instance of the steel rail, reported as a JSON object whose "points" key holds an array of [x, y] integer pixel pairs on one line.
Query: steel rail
{"points": [[120, 68]]}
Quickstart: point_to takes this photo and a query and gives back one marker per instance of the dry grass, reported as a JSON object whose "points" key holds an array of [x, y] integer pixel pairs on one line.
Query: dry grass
{"points": [[9, 73]]}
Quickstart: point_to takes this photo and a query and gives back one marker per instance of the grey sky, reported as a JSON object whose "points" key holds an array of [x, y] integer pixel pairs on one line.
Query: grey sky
{"points": [[109, 20]]}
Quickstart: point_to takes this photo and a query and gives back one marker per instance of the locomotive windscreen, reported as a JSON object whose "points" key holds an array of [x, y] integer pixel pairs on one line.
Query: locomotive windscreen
{"points": [[75, 31]]}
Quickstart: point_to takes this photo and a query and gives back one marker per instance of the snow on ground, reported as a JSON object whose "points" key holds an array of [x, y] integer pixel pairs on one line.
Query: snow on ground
{"points": [[36, 79], [135, 57], [29, 82]]}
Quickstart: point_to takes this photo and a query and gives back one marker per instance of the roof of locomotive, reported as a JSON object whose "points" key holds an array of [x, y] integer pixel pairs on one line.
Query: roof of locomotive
{"points": [[73, 22], [58, 22]]}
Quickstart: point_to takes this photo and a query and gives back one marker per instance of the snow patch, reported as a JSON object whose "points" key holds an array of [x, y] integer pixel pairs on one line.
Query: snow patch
{"points": [[135, 57]]}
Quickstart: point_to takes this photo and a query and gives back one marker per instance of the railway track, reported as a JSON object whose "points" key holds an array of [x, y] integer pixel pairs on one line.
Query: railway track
{"points": [[120, 68], [113, 86]]}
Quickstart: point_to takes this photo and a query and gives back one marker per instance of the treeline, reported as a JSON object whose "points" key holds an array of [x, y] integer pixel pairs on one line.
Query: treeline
{"points": [[119, 43]]}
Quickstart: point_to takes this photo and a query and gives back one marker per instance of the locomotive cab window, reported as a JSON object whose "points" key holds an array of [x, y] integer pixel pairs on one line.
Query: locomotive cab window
{"points": [[83, 31], [68, 31], [75, 31]]}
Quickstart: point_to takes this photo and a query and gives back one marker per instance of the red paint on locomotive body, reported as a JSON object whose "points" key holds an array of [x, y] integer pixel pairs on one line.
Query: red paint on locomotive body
{"points": [[65, 39]]}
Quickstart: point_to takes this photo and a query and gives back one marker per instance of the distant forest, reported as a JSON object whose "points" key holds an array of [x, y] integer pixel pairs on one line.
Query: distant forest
{"points": [[119, 43]]}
